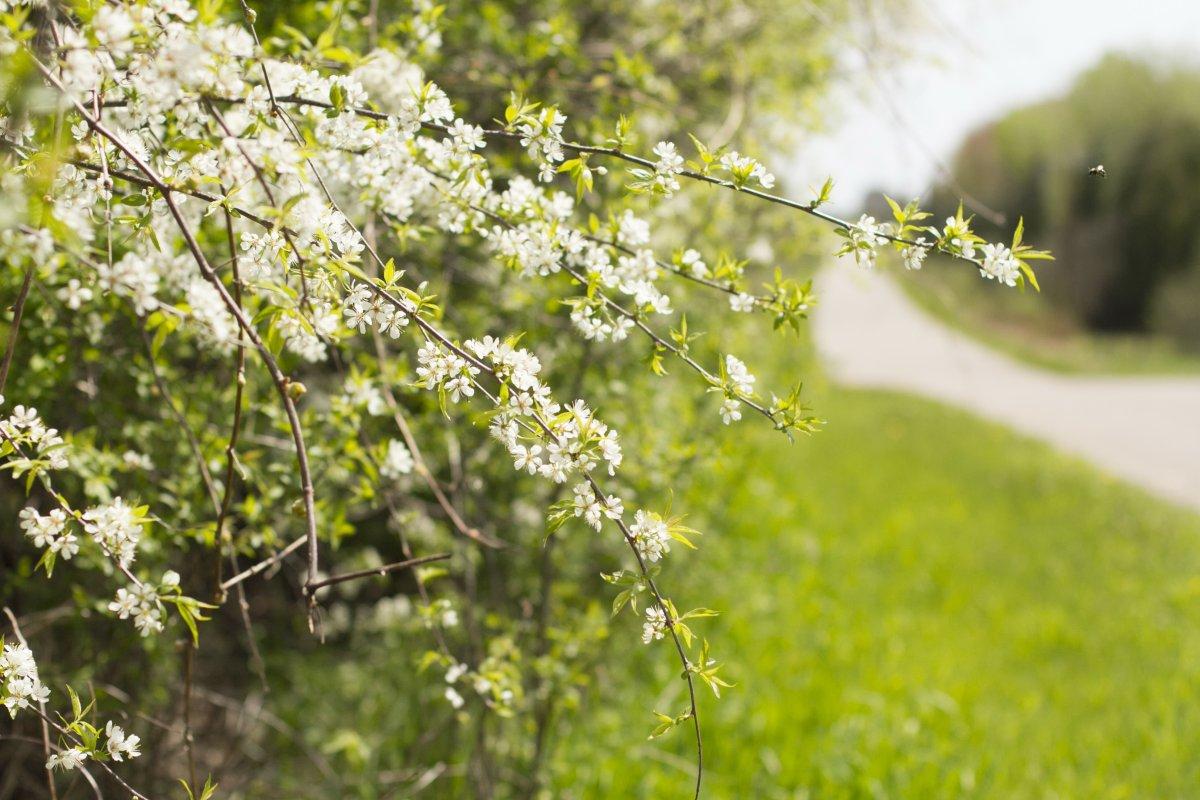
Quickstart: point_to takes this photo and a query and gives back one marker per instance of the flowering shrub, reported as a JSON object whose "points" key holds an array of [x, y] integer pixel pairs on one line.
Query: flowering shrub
{"points": [[208, 218]]}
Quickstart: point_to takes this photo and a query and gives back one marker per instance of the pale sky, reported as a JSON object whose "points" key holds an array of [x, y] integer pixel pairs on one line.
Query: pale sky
{"points": [[971, 61]]}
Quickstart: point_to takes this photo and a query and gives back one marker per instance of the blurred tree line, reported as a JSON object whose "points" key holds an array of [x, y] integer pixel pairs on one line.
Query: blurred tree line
{"points": [[1126, 244]]}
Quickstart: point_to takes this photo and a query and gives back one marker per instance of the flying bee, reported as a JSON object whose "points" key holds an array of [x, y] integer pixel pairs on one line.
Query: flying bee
{"points": [[1098, 170]]}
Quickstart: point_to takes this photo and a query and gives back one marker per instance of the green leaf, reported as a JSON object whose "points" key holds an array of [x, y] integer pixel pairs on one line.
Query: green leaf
{"points": [[76, 706], [620, 601], [897, 211], [1029, 275]]}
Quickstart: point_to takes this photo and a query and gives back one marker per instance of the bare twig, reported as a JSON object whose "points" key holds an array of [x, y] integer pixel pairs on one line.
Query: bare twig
{"points": [[366, 573], [17, 309], [177, 413], [239, 392], [265, 564]]}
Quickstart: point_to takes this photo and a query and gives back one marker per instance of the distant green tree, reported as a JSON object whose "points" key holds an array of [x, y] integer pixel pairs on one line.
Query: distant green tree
{"points": [[1122, 240]]}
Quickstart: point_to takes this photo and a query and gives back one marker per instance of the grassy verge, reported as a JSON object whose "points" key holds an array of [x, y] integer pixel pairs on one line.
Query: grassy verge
{"points": [[918, 604], [1023, 325]]}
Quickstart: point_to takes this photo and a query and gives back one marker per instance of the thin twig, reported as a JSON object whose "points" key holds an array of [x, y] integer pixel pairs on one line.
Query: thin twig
{"points": [[265, 564], [235, 428], [384, 570], [177, 413], [18, 308], [189, 654]]}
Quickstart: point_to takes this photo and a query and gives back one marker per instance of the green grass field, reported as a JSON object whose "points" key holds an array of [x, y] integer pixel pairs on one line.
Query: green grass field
{"points": [[917, 604]]}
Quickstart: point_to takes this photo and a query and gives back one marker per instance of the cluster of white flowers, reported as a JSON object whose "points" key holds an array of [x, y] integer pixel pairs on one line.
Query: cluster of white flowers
{"points": [[693, 262], [74, 294], [667, 168], [118, 746], [141, 603], [20, 686], [117, 528], [541, 135], [134, 277], [542, 245], [576, 443], [364, 308], [740, 378], [24, 428], [743, 168], [865, 237], [742, 302], [637, 276], [651, 535], [739, 384], [306, 334], [68, 758], [914, 255], [397, 460], [530, 247], [632, 230], [26, 247], [264, 253], [957, 237], [464, 137], [446, 371], [216, 325], [999, 264], [655, 625], [50, 531], [595, 324], [361, 392], [392, 82], [594, 510]]}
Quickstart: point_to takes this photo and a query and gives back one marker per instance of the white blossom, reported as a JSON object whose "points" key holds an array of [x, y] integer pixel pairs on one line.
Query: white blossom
{"points": [[651, 535], [999, 264], [655, 626], [865, 236], [740, 378], [116, 528], [119, 744], [397, 460], [74, 294], [742, 302], [914, 255], [667, 167], [20, 685], [68, 759]]}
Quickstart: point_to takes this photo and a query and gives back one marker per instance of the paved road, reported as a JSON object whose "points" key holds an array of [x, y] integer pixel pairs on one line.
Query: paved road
{"points": [[1145, 430]]}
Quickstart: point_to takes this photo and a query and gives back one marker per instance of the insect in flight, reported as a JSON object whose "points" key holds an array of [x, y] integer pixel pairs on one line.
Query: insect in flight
{"points": [[1098, 170]]}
